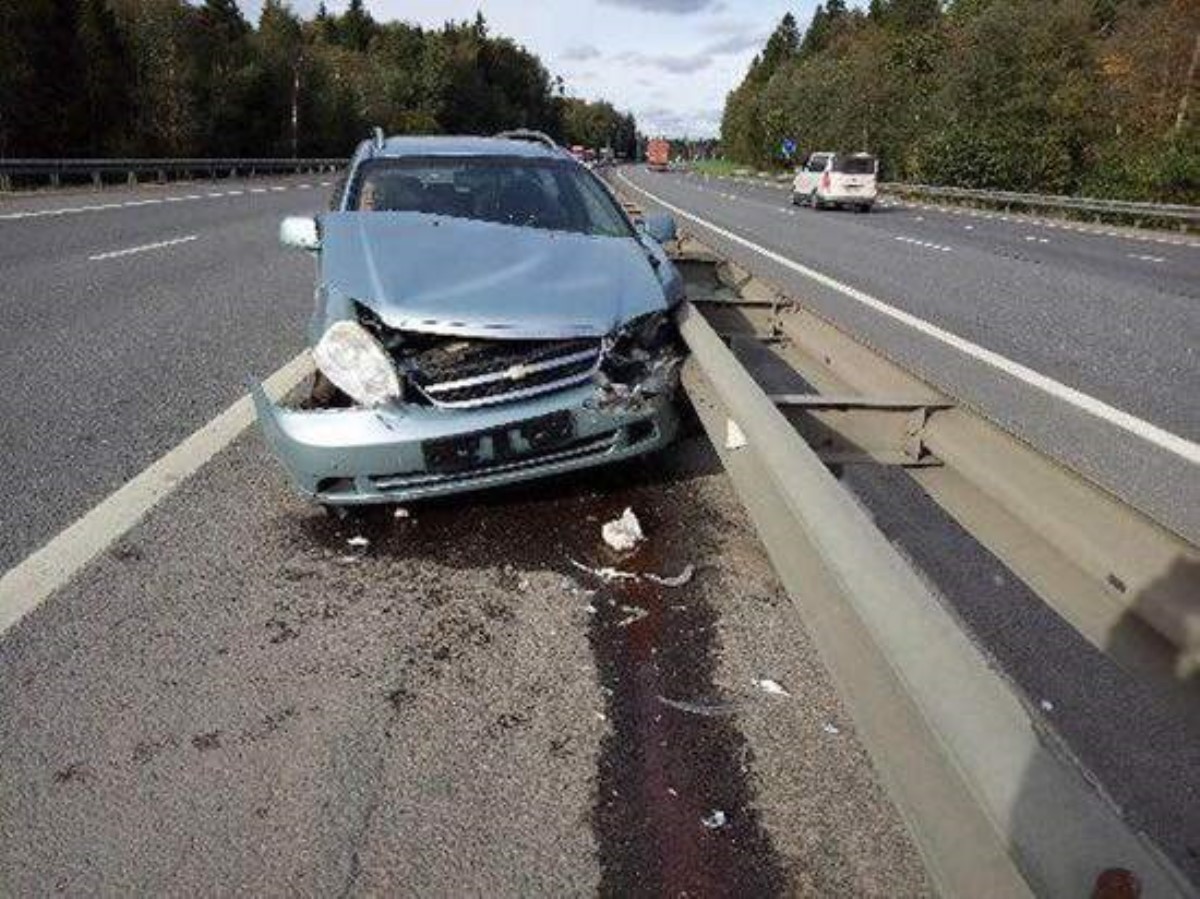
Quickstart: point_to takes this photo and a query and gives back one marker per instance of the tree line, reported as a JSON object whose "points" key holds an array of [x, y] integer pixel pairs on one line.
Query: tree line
{"points": [[1057, 96], [168, 78]]}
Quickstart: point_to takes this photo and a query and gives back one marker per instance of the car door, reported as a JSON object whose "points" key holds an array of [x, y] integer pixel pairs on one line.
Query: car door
{"points": [[811, 173]]}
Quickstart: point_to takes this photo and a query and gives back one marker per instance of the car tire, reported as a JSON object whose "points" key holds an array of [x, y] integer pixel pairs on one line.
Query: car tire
{"points": [[796, 199], [864, 207], [815, 201]]}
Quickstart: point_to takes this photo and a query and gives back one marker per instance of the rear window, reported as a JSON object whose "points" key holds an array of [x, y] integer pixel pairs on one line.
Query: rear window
{"points": [[817, 163], [553, 194], [855, 165]]}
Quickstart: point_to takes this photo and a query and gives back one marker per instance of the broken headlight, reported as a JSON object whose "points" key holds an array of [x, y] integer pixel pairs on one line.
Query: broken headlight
{"points": [[649, 332], [357, 364]]}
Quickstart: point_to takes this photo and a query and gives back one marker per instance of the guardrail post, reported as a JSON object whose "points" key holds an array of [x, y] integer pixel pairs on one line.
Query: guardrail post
{"points": [[131, 178], [97, 181], [5, 183], [54, 179], [162, 176]]}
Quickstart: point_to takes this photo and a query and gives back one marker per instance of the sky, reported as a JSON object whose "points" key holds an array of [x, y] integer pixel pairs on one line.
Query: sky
{"points": [[670, 62]]}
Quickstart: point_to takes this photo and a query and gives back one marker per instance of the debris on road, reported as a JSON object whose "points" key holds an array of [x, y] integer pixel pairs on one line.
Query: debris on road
{"points": [[772, 687], [706, 709], [633, 615], [400, 512], [735, 438], [624, 533], [714, 821], [830, 728], [677, 581], [358, 542], [1047, 705], [606, 574]]}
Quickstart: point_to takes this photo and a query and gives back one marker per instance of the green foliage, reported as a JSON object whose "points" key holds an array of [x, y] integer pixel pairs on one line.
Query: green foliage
{"points": [[180, 78], [1061, 96]]}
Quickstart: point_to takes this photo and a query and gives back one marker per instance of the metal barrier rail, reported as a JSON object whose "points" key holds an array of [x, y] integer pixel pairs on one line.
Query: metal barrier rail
{"points": [[96, 169], [1125, 208], [995, 802]]}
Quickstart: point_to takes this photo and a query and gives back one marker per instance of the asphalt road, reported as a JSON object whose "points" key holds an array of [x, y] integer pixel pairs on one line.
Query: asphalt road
{"points": [[107, 363], [234, 699], [1084, 308]]}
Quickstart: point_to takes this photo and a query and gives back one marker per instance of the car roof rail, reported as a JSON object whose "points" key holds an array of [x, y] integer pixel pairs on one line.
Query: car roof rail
{"points": [[537, 137]]}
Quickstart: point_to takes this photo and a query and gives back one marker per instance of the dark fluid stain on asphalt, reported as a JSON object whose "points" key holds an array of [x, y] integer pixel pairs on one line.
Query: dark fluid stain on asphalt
{"points": [[662, 770]]}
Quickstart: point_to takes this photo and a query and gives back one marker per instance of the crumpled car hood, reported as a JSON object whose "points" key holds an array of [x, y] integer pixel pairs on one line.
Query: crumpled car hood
{"points": [[458, 276]]}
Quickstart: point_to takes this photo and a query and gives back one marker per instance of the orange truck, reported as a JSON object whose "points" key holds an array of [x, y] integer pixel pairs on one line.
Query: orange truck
{"points": [[658, 154]]}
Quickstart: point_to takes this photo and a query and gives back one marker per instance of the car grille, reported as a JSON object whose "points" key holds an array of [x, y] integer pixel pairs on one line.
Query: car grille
{"points": [[461, 373]]}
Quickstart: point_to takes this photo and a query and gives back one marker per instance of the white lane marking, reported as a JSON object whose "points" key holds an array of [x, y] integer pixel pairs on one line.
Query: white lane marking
{"points": [[1033, 238], [1160, 437], [32, 581], [1145, 258], [143, 248], [179, 198], [968, 227], [923, 243]]}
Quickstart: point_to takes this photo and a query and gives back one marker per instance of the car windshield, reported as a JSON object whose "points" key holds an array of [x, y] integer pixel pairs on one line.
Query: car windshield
{"points": [[855, 165], [557, 195]]}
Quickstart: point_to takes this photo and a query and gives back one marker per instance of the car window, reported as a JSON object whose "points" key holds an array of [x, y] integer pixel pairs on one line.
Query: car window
{"points": [[557, 195], [817, 163], [855, 165]]}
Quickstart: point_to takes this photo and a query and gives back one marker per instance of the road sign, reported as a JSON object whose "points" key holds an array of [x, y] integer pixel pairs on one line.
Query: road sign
{"points": [[788, 147]]}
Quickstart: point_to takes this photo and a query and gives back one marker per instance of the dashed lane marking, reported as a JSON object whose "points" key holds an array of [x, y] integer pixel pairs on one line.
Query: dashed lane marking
{"points": [[1145, 258], [129, 204], [1151, 433], [114, 254], [32, 581], [923, 243]]}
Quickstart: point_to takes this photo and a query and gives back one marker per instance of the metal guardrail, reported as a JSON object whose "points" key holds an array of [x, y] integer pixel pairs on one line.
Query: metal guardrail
{"points": [[1010, 199], [56, 170], [996, 804]]}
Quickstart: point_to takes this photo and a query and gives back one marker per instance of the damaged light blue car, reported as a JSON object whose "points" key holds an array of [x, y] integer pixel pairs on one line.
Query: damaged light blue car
{"points": [[486, 313]]}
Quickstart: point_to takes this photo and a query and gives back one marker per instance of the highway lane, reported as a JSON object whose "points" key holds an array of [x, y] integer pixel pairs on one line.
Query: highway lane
{"points": [[107, 363], [1119, 334]]}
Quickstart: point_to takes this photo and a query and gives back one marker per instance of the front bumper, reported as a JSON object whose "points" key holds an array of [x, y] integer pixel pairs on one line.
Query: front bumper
{"points": [[396, 454]]}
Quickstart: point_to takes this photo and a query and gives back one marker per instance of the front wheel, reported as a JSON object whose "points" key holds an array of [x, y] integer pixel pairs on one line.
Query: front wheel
{"points": [[796, 199], [864, 207]]}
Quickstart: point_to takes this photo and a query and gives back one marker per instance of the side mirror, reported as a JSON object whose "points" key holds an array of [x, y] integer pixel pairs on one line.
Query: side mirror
{"points": [[300, 232], [661, 227]]}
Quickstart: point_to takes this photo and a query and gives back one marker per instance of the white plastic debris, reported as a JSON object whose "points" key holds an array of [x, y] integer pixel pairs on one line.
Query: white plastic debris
{"points": [[1047, 705], [830, 728], [624, 533], [677, 581], [358, 542], [400, 512], [772, 687], [606, 574], [735, 438], [715, 820], [633, 614]]}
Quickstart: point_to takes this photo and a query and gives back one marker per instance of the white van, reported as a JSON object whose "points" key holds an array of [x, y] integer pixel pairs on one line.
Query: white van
{"points": [[836, 179]]}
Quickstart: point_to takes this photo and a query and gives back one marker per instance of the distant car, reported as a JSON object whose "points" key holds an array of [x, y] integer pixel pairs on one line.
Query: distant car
{"points": [[486, 313], [837, 179]]}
